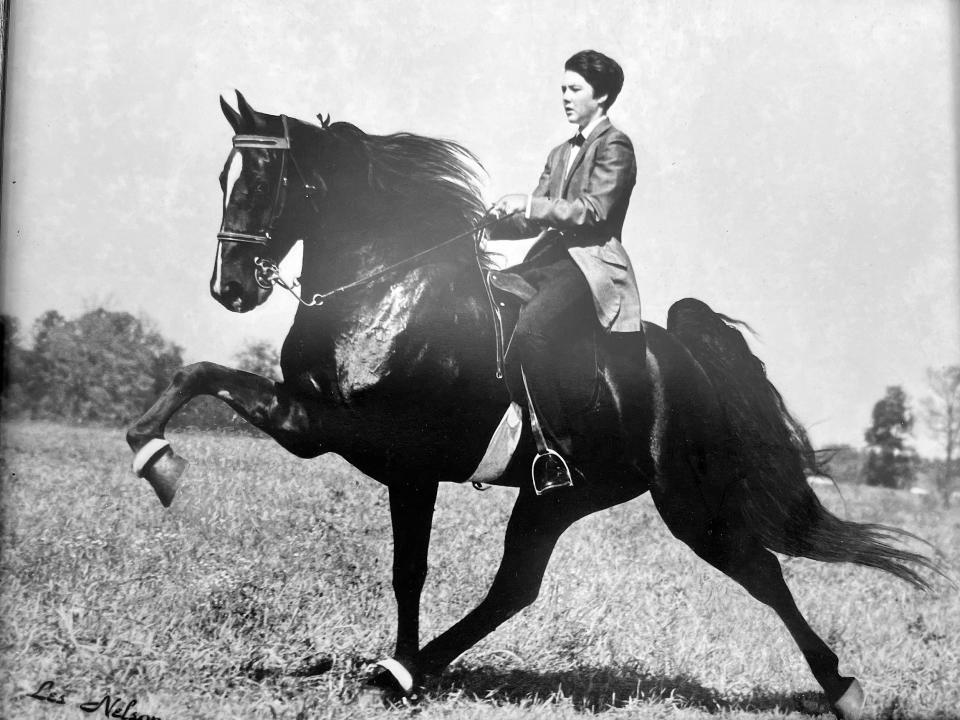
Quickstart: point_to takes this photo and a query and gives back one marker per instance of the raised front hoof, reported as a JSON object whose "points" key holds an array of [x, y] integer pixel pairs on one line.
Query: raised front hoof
{"points": [[850, 704], [161, 467], [389, 684]]}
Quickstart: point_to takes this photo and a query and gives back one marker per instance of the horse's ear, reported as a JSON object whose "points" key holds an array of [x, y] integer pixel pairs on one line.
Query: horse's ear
{"points": [[324, 123], [232, 116], [246, 112]]}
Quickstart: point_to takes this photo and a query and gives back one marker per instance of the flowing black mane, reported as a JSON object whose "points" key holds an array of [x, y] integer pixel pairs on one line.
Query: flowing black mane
{"points": [[419, 182]]}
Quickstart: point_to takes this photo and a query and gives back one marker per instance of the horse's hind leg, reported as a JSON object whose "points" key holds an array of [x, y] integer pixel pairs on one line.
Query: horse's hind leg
{"points": [[262, 402], [733, 550]]}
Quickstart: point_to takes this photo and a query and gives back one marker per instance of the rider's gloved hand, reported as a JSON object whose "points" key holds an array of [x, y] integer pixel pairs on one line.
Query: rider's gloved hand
{"points": [[509, 205]]}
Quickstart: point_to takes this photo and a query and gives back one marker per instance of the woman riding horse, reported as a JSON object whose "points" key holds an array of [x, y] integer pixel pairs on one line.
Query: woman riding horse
{"points": [[398, 377], [580, 204]]}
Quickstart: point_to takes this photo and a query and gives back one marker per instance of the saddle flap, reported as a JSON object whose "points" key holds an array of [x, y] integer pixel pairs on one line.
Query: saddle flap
{"points": [[513, 284]]}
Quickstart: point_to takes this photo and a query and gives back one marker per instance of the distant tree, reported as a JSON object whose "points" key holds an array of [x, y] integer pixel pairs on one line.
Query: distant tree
{"points": [[14, 365], [941, 411], [259, 357], [890, 461], [10, 331], [104, 366]]}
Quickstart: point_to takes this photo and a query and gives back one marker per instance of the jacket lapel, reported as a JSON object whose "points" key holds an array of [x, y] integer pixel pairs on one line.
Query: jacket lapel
{"points": [[557, 182], [601, 128]]}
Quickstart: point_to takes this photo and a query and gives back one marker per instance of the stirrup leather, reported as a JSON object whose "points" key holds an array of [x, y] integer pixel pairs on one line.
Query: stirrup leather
{"points": [[544, 452]]}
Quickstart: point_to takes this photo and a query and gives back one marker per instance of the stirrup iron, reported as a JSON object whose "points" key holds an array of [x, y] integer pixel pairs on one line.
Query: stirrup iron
{"points": [[545, 456]]}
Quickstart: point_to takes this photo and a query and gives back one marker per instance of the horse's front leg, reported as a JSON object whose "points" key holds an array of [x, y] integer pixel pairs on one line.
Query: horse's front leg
{"points": [[262, 402], [535, 525]]}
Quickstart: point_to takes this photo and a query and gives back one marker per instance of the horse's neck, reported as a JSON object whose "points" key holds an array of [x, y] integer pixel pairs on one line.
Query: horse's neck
{"points": [[349, 257]]}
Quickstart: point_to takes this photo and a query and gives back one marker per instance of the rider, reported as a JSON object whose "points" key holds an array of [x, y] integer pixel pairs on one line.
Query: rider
{"points": [[580, 203]]}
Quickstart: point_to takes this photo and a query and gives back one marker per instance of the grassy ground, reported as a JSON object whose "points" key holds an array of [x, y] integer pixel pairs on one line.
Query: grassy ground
{"points": [[265, 589]]}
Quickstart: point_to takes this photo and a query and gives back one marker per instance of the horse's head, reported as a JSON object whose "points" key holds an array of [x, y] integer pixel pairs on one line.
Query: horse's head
{"points": [[264, 197]]}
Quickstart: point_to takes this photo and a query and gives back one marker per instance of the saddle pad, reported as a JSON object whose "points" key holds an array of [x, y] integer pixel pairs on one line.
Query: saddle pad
{"points": [[501, 447]]}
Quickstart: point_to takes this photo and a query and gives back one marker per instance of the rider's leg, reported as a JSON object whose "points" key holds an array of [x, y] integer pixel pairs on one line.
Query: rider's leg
{"points": [[540, 335]]}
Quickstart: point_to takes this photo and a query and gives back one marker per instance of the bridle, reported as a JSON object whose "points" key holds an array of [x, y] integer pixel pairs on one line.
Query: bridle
{"points": [[267, 142]]}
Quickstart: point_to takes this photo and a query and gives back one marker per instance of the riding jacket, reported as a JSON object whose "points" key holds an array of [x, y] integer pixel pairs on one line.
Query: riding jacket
{"points": [[584, 209]]}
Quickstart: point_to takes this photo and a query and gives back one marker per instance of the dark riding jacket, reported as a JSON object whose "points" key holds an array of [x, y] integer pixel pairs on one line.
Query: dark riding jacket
{"points": [[588, 209]]}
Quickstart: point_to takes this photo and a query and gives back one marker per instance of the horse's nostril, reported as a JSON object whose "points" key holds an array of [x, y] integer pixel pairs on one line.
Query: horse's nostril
{"points": [[232, 290]]}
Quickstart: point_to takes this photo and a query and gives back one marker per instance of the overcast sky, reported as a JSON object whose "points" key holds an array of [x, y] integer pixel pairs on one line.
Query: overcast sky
{"points": [[797, 158]]}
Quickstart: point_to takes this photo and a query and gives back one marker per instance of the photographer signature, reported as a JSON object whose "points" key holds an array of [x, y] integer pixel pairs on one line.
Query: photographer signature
{"points": [[113, 707]]}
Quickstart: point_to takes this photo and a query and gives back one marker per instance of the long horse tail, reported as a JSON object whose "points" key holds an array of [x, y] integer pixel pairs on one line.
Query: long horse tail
{"points": [[772, 457]]}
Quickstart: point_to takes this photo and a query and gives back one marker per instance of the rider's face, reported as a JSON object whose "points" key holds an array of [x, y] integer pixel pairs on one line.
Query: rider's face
{"points": [[578, 101]]}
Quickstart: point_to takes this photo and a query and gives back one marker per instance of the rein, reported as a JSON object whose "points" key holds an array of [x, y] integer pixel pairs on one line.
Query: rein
{"points": [[268, 274]]}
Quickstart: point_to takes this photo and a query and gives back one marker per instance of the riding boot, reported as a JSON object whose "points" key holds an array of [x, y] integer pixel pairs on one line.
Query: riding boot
{"points": [[549, 470], [543, 388]]}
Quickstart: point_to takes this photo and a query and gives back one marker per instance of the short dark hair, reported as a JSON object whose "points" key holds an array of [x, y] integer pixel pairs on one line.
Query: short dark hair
{"points": [[603, 73]]}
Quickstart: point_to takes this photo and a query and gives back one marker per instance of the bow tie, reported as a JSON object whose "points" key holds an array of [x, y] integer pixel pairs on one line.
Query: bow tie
{"points": [[577, 140]]}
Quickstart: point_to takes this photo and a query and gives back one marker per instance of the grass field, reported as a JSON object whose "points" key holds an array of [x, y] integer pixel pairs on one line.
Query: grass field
{"points": [[265, 589]]}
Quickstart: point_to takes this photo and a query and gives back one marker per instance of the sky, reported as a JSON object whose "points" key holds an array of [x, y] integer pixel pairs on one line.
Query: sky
{"points": [[797, 159]]}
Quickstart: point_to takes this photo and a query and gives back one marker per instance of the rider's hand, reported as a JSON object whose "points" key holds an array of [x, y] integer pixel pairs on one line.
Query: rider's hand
{"points": [[508, 205]]}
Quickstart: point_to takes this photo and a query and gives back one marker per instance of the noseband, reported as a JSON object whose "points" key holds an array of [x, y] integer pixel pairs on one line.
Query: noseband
{"points": [[266, 142]]}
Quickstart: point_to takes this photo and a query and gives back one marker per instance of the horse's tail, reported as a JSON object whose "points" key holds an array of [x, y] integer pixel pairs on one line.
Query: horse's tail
{"points": [[773, 456]]}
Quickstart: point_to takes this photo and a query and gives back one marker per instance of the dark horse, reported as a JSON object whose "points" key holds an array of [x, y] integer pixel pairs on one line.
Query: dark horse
{"points": [[399, 377]]}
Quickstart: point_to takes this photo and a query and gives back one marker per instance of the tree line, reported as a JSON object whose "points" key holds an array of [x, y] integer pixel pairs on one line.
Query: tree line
{"points": [[106, 367], [891, 460]]}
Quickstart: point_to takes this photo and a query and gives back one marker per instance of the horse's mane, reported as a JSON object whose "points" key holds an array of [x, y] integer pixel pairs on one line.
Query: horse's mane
{"points": [[419, 182]]}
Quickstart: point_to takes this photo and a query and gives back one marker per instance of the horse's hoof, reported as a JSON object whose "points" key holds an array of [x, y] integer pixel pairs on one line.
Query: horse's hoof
{"points": [[161, 467], [391, 684], [850, 704]]}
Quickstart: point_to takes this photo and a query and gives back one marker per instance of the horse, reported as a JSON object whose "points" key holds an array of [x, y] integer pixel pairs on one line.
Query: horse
{"points": [[395, 370]]}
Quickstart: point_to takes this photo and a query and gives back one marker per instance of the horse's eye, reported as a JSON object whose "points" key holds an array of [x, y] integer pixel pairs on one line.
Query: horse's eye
{"points": [[261, 188]]}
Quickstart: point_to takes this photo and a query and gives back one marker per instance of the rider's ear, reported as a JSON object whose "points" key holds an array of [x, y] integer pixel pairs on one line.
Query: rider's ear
{"points": [[232, 116]]}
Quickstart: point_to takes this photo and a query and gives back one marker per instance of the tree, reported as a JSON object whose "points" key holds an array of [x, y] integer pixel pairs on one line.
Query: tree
{"points": [[104, 366], [10, 331], [259, 357], [14, 364], [890, 461], [941, 411]]}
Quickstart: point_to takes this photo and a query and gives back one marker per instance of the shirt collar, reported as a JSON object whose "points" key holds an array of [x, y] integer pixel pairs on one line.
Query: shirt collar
{"points": [[592, 125]]}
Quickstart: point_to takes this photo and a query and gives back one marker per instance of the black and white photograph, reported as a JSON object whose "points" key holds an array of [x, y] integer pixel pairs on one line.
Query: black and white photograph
{"points": [[483, 360]]}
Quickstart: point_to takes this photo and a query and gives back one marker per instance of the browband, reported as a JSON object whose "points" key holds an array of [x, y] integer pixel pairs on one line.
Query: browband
{"points": [[261, 141]]}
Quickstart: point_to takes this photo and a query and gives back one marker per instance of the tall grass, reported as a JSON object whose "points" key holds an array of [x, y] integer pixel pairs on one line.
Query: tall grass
{"points": [[265, 590]]}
